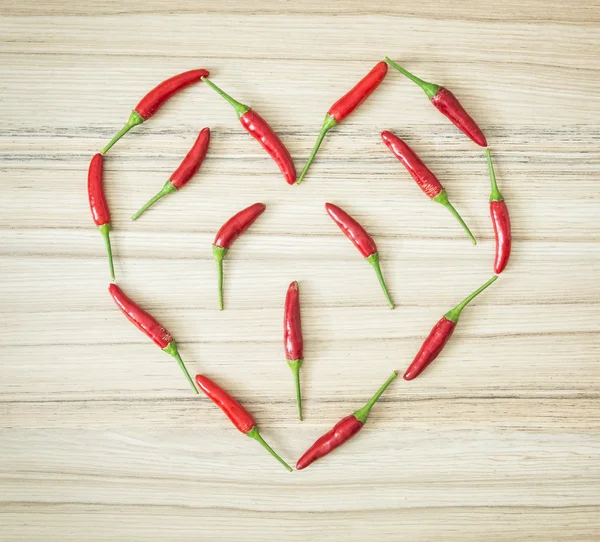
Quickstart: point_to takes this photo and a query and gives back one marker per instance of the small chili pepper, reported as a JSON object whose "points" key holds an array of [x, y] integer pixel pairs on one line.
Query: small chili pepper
{"points": [[152, 101], [292, 337], [426, 180], [186, 170], [146, 323], [362, 241], [448, 105], [342, 431], [500, 221], [260, 130], [98, 205], [238, 415], [228, 233], [346, 105], [440, 335]]}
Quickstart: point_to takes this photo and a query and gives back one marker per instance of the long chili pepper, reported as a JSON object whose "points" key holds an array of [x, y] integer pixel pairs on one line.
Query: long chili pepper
{"points": [[426, 180], [152, 101], [186, 170], [362, 241], [342, 431], [98, 205], [238, 415], [228, 233], [500, 221], [345, 105], [292, 338], [447, 104], [146, 323], [440, 335], [260, 130]]}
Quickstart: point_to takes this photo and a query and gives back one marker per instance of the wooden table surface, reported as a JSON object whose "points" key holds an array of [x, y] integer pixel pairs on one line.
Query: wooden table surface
{"points": [[100, 436]]}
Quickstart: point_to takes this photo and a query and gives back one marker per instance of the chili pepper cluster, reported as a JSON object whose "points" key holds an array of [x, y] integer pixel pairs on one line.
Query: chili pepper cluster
{"points": [[258, 128]]}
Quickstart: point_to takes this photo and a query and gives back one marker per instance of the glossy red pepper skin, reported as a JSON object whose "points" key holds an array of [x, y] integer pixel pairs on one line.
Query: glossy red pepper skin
{"points": [[292, 338], [238, 415], [440, 335], [228, 233], [98, 204], [447, 104], [151, 327], [359, 92], [154, 99], [346, 105], [260, 130], [342, 431], [426, 180], [501, 224], [432, 346], [361, 240], [500, 221], [187, 169], [422, 175]]}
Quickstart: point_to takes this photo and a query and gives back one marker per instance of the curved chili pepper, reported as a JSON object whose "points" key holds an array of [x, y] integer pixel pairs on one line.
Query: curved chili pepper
{"points": [[152, 101], [238, 415], [362, 241], [260, 130], [426, 180], [440, 335], [292, 338], [345, 105], [447, 104], [146, 323], [98, 205], [228, 233], [342, 431], [186, 170], [500, 221]]}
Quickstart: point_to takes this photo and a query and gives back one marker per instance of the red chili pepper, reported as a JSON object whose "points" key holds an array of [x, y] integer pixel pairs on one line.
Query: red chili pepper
{"points": [[362, 241], [152, 101], [260, 130], [146, 323], [98, 205], [440, 335], [500, 221], [426, 180], [448, 105], [238, 415], [292, 337], [228, 233], [345, 105], [342, 431], [186, 170]]}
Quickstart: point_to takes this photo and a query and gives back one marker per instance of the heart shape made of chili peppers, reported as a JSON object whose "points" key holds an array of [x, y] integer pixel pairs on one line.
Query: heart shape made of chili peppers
{"points": [[256, 126]]}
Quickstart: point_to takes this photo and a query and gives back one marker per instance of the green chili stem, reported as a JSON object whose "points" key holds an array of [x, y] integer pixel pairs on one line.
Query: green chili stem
{"points": [[454, 314], [166, 189], [328, 124], [362, 414], [171, 349], [442, 198], [240, 108], [134, 119], [495, 195], [373, 259], [295, 367], [253, 433], [219, 254], [431, 89], [104, 230]]}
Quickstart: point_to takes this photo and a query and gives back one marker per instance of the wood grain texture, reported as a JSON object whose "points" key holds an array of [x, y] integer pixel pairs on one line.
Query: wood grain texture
{"points": [[100, 438]]}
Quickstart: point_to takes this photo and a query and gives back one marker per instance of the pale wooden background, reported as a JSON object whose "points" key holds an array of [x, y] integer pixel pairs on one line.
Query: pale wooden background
{"points": [[101, 438]]}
